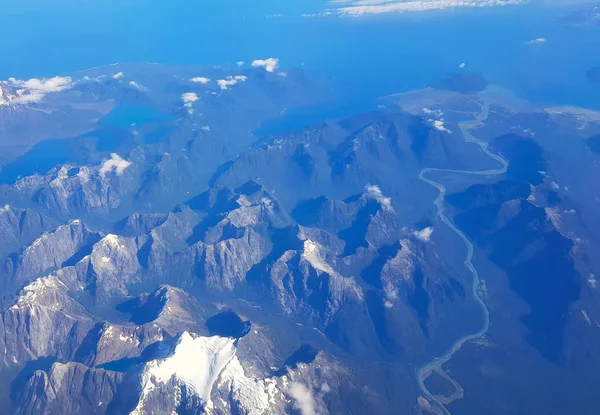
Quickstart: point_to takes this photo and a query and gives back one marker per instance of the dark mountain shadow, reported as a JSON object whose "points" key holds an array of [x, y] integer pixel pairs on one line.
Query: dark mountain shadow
{"points": [[216, 203], [82, 253], [537, 261], [355, 235], [419, 300], [228, 324], [283, 239], [525, 158], [305, 354], [157, 350], [419, 133], [481, 195], [17, 386], [372, 272], [146, 307], [307, 212], [377, 313]]}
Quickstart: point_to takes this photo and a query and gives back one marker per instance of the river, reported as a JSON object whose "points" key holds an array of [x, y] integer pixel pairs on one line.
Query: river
{"points": [[435, 365]]}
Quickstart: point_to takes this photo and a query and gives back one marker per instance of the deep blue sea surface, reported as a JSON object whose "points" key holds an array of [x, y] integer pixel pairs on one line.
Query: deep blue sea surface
{"points": [[128, 115], [377, 55]]}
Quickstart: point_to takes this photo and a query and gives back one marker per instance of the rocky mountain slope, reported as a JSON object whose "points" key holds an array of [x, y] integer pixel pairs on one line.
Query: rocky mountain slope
{"points": [[170, 260]]}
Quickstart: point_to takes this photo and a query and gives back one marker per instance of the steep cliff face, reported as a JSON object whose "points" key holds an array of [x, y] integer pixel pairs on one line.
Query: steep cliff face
{"points": [[19, 227], [53, 250], [72, 191], [44, 321], [168, 258], [115, 368], [68, 387]]}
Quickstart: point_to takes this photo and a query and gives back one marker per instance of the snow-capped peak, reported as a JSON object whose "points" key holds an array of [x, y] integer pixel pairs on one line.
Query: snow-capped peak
{"points": [[208, 366], [194, 361], [6, 94]]}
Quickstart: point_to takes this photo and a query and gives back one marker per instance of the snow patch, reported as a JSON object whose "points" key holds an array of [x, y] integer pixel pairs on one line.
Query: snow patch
{"points": [[127, 339], [31, 291], [401, 266], [253, 395], [113, 241], [83, 174]]}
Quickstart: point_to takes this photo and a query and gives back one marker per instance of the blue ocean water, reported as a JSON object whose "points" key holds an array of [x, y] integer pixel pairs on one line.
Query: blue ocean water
{"points": [[377, 55], [114, 133], [127, 115]]}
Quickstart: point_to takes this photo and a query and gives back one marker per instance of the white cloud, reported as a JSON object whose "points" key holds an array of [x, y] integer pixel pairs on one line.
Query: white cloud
{"points": [[312, 254], [437, 112], [538, 41], [439, 125], [189, 98], [137, 86], [269, 64], [114, 164], [200, 80], [462, 65], [55, 84], [324, 13], [240, 63], [303, 397], [33, 90], [118, 75], [373, 191], [231, 81], [369, 7], [424, 234]]}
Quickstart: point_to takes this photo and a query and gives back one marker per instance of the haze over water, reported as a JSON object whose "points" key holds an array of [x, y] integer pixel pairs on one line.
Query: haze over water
{"points": [[412, 49]]}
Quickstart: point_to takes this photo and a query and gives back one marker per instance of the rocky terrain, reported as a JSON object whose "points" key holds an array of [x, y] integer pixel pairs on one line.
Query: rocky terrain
{"points": [[177, 263]]}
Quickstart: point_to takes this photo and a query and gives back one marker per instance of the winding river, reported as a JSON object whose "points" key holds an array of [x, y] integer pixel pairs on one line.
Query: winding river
{"points": [[436, 403]]}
